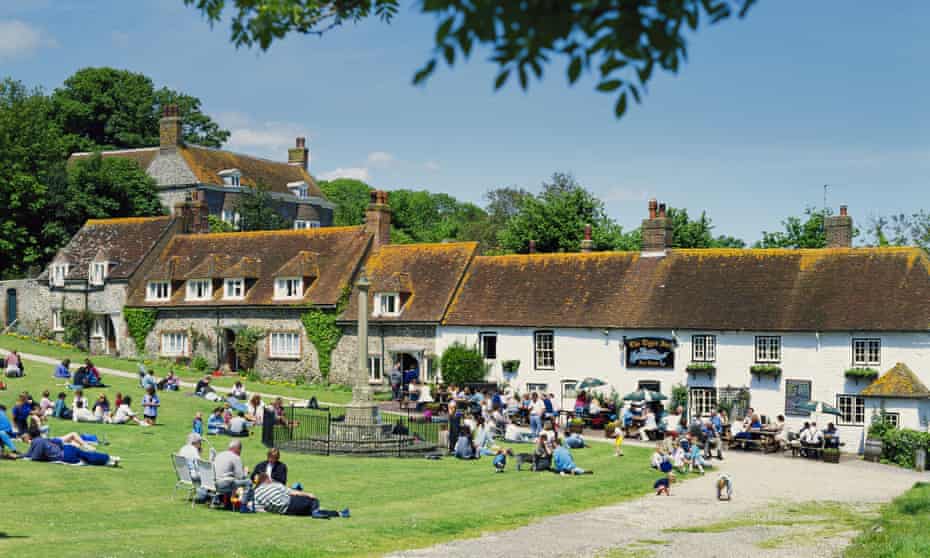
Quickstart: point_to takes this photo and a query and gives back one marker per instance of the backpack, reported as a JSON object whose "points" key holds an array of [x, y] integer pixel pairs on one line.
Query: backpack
{"points": [[313, 404]]}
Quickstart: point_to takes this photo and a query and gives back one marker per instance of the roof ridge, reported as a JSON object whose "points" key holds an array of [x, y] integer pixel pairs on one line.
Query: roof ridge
{"points": [[237, 154], [431, 244], [114, 151], [294, 232], [123, 220]]}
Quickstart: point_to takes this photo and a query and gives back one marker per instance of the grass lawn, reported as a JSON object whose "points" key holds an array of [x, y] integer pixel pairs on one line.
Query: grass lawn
{"points": [[330, 394], [901, 531], [396, 503]]}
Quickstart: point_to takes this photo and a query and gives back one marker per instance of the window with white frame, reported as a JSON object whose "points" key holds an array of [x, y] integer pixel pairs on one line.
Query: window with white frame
{"points": [[703, 348], [59, 272], [388, 304], [299, 189], [174, 343], [158, 290], [867, 352], [892, 418], [852, 410], [702, 402], [284, 344], [234, 289], [199, 289], [57, 323], [97, 273], [544, 350], [231, 217], [231, 177], [300, 224], [375, 372], [98, 328], [488, 342], [539, 388], [768, 348], [288, 287]]}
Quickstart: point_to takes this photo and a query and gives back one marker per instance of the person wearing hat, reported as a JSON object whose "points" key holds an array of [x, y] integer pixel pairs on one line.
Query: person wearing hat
{"points": [[191, 452]]}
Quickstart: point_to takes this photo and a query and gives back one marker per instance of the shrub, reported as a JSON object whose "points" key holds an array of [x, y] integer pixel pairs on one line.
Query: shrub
{"points": [[245, 344], [77, 326], [462, 365], [200, 364], [139, 322]]}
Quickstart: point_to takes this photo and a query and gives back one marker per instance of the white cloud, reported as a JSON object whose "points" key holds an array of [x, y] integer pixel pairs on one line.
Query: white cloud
{"points": [[431, 166], [120, 39], [19, 38], [267, 139], [382, 158], [623, 194], [358, 173]]}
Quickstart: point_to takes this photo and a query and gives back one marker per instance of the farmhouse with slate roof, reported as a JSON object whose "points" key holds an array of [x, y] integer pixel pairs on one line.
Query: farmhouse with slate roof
{"points": [[221, 176]]}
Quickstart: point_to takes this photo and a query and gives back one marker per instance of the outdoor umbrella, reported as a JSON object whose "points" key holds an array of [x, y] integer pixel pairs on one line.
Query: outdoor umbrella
{"points": [[589, 383], [645, 395], [820, 407]]}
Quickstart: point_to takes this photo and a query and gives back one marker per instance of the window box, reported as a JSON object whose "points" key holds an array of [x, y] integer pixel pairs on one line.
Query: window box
{"points": [[708, 368], [510, 366], [770, 370], [858, 373]]}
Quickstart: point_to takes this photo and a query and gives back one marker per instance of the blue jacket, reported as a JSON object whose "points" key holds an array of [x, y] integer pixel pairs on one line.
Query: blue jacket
{"points": [[61, 371], [21, 412], [5, 425], [562, 459]]}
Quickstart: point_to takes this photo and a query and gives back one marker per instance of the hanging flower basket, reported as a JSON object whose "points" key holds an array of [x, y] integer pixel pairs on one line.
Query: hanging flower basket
{"points": [[510, 366], [867, 374], [770, 370]]}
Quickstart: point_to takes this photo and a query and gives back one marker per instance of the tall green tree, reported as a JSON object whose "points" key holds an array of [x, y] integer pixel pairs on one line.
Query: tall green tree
{"points": [[258, 210], [805, 231], [351, 197], [697, 233], [106, 108], [421, 216], [901, 230], [618, 42], [31, 159], [556, 218]]}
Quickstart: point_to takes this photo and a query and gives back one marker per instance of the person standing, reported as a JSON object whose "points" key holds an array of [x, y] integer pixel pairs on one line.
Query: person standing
{"points": [[537, 409], [396, 378], [150, 404]]}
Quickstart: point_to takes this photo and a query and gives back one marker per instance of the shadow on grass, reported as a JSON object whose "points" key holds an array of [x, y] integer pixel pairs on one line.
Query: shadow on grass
{"points": [[8, 536]]}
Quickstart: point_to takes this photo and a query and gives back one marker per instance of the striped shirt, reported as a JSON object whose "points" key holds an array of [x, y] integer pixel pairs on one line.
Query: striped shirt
{"points": [[273, 497]]}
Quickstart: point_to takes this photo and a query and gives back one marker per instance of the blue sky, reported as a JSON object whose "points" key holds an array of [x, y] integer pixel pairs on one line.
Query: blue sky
{"points": [[767, 111]]}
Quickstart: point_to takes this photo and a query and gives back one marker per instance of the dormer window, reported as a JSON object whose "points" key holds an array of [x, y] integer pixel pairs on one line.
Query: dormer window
{"points": [[97, 273], [387, 304], [234, 289], [158, 291], [230, 177], [288, 288], [58, 273], [301, 224], [299, 189], [199, 289]]}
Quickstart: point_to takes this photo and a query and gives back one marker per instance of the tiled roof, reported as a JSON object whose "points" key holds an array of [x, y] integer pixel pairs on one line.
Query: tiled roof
{"points": [[873, 289], [258, 256], [124, 242], [900, 381], [206, 164], [143, 156], [425, 274]]}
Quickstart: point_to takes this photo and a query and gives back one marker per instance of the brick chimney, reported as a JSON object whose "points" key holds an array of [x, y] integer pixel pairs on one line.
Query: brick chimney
{"points": [[378, 218], [532, 247], [299, 155], [587, 244], [839, 229], [657, 230], [169, 129], [193, 213]]}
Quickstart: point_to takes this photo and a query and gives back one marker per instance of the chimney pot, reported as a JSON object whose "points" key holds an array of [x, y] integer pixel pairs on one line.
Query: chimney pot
{"points": [[301, 142], [299, 156], [532, 246], [662, 210], [843, 211], [587, 232], [587, 244], [652, 208]]}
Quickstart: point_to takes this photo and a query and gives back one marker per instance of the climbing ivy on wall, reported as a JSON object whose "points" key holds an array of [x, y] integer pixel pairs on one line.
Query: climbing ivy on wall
{"points": [[140, 322], [76, 324], [323, 332]]}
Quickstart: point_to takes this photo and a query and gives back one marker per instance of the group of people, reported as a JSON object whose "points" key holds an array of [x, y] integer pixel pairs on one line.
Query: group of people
{"points": [[86, 376]]}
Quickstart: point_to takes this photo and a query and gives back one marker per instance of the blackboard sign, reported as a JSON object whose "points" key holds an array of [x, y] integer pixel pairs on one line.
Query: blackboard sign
{"points": [[650, 352]]}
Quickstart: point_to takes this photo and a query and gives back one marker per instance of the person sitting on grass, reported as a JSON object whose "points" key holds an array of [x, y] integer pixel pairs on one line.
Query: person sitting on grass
{"points": [[203, 387], [79, 396], [61, 409], [575, 441], [663, 485], [63, 369], [101, 408], [464, 447], [238, 426], [500, 459], [172, 382], [274, 497], [148, 380], [93, 375], [215, 423], [21, 412], [272, 466], [238, 391], [83, 415], [70, 448], [124, 414], [564, 464], [678, 458], [14, 368], [255, 410], [658, 457], [6, 434]]}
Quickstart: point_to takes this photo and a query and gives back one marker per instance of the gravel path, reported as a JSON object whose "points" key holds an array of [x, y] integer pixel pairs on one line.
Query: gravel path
{"points": [[765, 485]]}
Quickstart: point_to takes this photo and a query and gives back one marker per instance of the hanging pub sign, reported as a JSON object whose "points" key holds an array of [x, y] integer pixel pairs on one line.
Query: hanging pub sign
{"points": [[649, 352]]}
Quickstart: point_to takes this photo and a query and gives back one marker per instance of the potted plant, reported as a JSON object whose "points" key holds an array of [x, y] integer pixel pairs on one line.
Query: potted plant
{"points": [[859, 373], [771, 370], [510, 366], [576, 425], [831, 455]]}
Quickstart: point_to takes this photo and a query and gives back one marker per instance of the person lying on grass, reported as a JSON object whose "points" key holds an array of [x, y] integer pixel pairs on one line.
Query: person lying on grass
{"points": [[70, 448], [274, 497], [564, 464]]}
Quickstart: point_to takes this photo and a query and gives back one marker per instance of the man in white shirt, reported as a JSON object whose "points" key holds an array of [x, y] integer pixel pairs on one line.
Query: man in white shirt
{"points": [[238, 426], [537, 408], [82, 414], [230, 474], [191, 452]]}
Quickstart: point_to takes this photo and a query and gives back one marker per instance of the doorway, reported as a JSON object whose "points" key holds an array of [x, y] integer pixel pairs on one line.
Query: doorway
{"points": [[569, 394], [110, 330], [10, 306], [229, 342]]}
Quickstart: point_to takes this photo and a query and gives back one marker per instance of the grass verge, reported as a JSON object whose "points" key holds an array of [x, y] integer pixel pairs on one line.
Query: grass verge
{"points": [[901, 529]]}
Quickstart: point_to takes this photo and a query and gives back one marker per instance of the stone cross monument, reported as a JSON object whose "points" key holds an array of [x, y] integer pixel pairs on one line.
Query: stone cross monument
{"points": [[362, 410]]}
